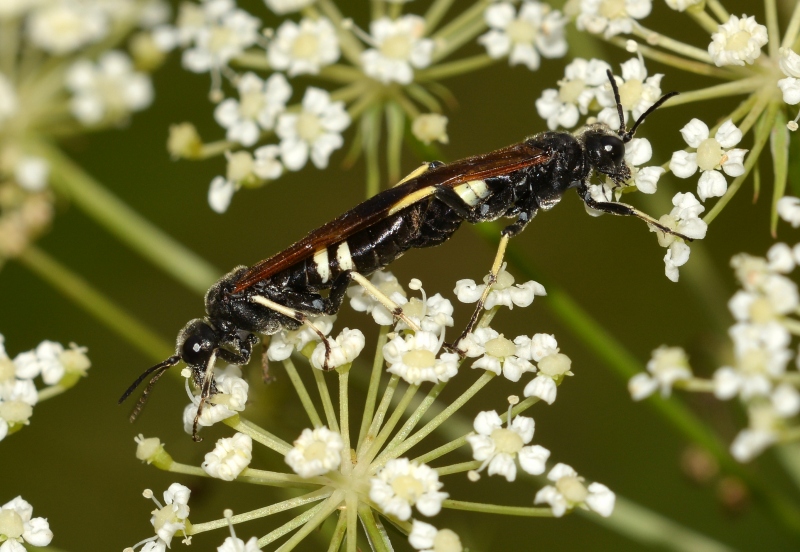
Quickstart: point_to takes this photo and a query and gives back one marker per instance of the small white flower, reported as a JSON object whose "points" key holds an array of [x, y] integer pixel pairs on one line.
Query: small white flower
{"points": [[285, 342], [431, 314], [402, 484], [682, 5], [229, 458], [738, 41], [315, 131], [220, 193], [304, 48], [63, 27], [525, 36], [497, 353], [413, 358], [231, 397], [683, 218], [710, 157], [17, 526], [780, 258], [109, 90], [749, 443], [786, 400], [31, 173], [233, 544], [668, 365], [580, 85], [637, 152], [343, 350], [570, 492], [497, 447], [552, 369], [789, 210], [611, 17], [171, 518], [266, 165], [219, 32], [789, 63], [426, 538], [361, 301], [398, 49], [260, 102], [282, 7], [637, 93], [503, 292], [430, 127], [315, 452]]}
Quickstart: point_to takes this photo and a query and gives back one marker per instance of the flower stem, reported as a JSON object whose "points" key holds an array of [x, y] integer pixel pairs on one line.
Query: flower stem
{"points": [[374, 382], [272, 509], [387, 429], [436, 11], [454, 68], [310, 520], [95, 303], [497, 509], [395, 130], [344, 418], [125, 223], [377, 535], [327, 403], [258, 434], [352, 522], [377, 420], [459, 468], [746, 86], [773, 29], [668, 43], [792, 28], [677, 61], [338, 532], [453, 407], [761, 137], [414, 419], [716, 8], [704, 20], [371, 130], [466, 26], [302, 392]]}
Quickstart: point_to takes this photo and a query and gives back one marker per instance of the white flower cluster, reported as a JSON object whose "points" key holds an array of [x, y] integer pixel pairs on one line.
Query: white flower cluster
{"points": [[18, 526], [611, 17], [684, 218], [761, 339], [58, 368], [402, 484], [524, 36], [738, 41], [168, 519], [230, 399]]}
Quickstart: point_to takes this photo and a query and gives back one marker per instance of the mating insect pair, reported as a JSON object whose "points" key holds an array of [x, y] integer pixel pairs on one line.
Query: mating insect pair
{"points": [[423, 210]]}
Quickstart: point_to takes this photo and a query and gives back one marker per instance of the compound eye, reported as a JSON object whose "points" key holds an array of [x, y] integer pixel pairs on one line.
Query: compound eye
{"points": [[613, 148], [197, 348]]}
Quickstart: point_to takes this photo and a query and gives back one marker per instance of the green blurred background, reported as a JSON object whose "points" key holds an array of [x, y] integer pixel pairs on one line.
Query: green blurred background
{"points": [[76, 463]]}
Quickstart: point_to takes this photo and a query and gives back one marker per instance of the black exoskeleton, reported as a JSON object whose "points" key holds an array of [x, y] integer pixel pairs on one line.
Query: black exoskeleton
{"points": [[424, 210]]}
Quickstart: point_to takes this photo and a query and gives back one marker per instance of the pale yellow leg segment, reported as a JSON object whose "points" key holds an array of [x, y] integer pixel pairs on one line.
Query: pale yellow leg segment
{"points": [[381, 297], [205, 394], [496, 266], [289, 313]]}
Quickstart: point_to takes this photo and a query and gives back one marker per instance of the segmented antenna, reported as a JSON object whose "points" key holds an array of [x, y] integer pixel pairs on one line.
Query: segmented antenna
{"points": [[624, 133], [159, 369]]}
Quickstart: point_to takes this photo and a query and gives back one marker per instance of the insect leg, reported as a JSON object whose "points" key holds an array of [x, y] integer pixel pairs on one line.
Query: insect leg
{"points": [[496, 266], [378, 295], [298, 316], [205, 394], [623, 209], [244, 348]]}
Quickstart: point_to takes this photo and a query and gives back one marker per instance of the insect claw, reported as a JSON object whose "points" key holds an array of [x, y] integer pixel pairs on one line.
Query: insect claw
{"points": [[453, 348]]}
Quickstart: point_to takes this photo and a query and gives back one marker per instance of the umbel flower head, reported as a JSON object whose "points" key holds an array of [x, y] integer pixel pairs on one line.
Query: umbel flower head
{"points": [[390, 70], [373, 473]]}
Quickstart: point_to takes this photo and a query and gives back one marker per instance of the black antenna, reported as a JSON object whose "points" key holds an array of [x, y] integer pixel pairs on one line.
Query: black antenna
{"points": [[624, 133], [162, 369]]}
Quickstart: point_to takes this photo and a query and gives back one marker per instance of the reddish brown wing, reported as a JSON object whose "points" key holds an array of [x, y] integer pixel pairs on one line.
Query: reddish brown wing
{"points": [[367, 213]]}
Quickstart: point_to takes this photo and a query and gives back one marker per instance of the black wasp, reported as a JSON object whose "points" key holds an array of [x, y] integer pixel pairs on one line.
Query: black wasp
{"points": [[423, 210]]}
